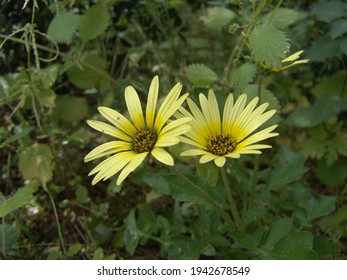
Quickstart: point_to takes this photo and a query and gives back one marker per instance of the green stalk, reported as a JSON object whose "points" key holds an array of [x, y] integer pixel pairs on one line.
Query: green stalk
{"points": [[232, 202], [56, 220], [4, 255], [206, 197]]}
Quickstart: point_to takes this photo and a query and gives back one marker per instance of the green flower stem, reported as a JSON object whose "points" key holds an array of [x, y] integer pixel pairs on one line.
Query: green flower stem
{"points": [[206, 196], [232, 202], [56, 219], [254, 181], [4, 256]]}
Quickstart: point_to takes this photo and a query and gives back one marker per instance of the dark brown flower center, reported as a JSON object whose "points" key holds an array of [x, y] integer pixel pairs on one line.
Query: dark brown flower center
{"points": [[221, 144], [144, 140]]}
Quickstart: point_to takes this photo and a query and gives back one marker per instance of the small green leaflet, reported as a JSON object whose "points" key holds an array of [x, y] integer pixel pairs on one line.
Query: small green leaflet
{"points": [[200, 75], [63, 27]]}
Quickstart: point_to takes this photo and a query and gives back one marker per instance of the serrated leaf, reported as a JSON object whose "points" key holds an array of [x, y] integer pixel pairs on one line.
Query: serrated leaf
{"points": [[35, 162], [324, 246], [278, 230], [63, 27], [70, 108], [22, 197], [338, 28], [295, 246], [200, 75], [131, 233], [92, 72], [218, 17], [268, 45], [320, 207], [94, 22], [325, 107], [15, 137], [288, 168], [11, 237], [330, 10], [283, 17], [244, 240], [323, 172], [243, 76]]}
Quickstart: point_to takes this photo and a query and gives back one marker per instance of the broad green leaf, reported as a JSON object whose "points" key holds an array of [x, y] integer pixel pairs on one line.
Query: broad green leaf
{"points": [[338, 28], [98, 254], [131, 233], [209, 172], [339, 218], [15, 137], [325, 107], [323, 49], [329, 10], [331, 85], [46, 97], [11, 237], [218, 17], [91, 72], [35, 162], [200, 75], [94, 22], [74, 249], [323, 172], [21, 197], [70, 108], [320, 207], [63, 27], [288, 168], [268, 45], [295, 246], [252, 215], [283, 17], [278, 230], [324, 246], [82, 195], [244, 240], [343, 46], [146, 221], [185, 248], [243, 76]]}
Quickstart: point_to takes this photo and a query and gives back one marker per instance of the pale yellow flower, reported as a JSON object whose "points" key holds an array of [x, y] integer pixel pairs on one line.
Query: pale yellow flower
{"points": [[140, 136], [217, 139], [288, 62]]}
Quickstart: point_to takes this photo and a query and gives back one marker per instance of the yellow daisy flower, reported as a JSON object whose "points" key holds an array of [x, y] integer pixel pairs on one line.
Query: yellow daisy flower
{"points": [[230, 137], [140, 136]]}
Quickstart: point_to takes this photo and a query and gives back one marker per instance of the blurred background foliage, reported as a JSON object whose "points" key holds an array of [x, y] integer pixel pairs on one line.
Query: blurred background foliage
{"points": [[60, 60]]}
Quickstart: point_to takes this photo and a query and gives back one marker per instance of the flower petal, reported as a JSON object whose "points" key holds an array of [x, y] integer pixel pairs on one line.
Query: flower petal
{"points": [[109, 129], [194, 152], [208, 157], [220, 161], [163, 156], [107, 148], [133, 164], [152, 102], [134, 107], [118, 120]]}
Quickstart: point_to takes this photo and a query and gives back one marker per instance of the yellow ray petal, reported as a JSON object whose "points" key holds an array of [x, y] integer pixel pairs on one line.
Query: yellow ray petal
{"points": [[152, 102], [220, 161], [109, 147], [208, 157], [163, 156], [109, 129], [134, 107], [194, 152], [132, 165]]}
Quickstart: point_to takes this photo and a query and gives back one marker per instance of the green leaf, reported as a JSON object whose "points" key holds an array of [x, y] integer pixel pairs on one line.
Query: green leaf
{"points": [[11, 237], [35, 162], [22, 197], [323, 49], [243, 76], [324, 246], [200, 75], [74, 249], [338, 28], [131, 233], [63, 27], [320, 207], [185, 248], [98, 254], [331, 85], [94, 22], [15, 137], [218, 17], [209, 172], [289, 167], [91, 72], [283, 17], [325, 107], [82, 195], [253, 215], [330, 10], [323, 172], [70, 108], [266, 96], [268, 45], [244, 240], [278, 230], [343, 47], [295, 246]]}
